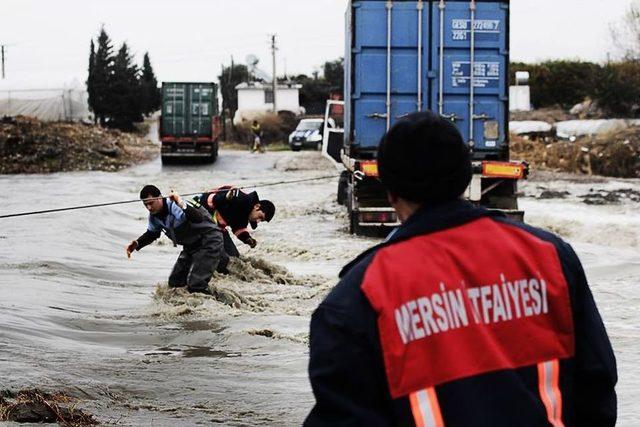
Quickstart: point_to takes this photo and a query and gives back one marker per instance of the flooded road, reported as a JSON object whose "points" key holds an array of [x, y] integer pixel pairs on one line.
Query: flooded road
{"points": [[77, 315]]}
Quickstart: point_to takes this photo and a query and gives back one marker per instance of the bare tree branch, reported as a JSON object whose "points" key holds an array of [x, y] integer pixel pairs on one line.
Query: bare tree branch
{"points": [[625, 34]]}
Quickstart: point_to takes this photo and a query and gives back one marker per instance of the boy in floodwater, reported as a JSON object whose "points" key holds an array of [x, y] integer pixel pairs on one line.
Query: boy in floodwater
{"points": [[230, 207], [188, 226]]}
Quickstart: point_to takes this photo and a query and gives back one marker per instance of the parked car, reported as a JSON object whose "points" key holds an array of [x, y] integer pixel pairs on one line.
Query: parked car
{"points": [[308, 133]]}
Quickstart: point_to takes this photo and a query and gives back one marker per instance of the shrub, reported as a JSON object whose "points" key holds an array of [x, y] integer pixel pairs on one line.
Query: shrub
{"points": [[559, 83], [275, 128], [618, 89]]}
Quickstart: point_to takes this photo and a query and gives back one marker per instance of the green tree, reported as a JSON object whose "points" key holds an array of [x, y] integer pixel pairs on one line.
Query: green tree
{"points": [[316, 90], [102, 75], [334, 74], [229, 78], [91, 90], [151, 96], [618, 89], [314, 94], [125, 107], [119, 93]]}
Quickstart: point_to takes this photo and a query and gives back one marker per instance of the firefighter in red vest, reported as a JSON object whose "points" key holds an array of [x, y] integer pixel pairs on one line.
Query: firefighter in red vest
{"points": [[461, 317]]}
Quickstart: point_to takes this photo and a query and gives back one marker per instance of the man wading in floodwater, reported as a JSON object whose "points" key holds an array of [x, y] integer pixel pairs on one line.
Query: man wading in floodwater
{"points": [[462, 317], [230, 207], [187, 226]]}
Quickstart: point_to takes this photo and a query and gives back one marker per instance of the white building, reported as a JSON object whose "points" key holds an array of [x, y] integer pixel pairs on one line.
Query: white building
{"points": [[255, 99], [520, 94]]}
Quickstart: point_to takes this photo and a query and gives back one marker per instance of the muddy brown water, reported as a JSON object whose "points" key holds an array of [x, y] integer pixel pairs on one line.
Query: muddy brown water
{"points": [[77, 315]]}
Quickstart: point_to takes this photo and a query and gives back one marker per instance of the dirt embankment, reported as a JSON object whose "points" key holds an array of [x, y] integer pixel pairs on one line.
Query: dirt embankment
{"points": [[35, 406], [31, 146], [615, 154]]}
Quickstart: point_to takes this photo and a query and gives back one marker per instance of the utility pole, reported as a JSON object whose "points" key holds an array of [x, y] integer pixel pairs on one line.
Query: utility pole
{"points": [[224, 99], [2, 46], [2, 49], [275, 78]]}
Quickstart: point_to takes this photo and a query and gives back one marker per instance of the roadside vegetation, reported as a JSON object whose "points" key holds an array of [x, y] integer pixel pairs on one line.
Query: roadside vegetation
{"points": [[612, 87]]}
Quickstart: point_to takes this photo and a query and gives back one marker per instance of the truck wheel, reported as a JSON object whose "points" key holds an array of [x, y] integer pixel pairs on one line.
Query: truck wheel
{"points": [[214, 153], [165, 160], [342, 188], [294, 148]]}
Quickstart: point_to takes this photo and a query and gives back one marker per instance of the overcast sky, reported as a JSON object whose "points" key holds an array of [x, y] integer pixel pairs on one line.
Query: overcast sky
{"points": [[48, 40]]}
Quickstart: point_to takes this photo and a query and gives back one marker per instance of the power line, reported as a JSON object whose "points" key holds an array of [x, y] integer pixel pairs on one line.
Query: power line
{"points": [[98, 205]]}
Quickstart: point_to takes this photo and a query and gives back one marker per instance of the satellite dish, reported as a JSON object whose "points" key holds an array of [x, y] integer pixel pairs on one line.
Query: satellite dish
{"points": [[255, 72], [252, 60]]}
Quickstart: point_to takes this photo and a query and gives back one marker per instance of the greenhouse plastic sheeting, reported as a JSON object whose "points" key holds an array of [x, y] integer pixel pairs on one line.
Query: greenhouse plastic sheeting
{"points": [[67, 103]]}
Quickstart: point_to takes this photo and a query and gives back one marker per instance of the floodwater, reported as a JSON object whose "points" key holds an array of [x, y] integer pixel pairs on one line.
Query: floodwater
{"points": [[77, 315]]}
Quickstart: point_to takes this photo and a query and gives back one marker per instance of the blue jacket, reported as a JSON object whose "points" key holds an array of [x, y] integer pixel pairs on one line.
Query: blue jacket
{"points": [[462, 318], [182, 226]]}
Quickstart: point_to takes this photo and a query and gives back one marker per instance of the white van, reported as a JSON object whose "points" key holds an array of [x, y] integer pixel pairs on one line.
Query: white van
{"points": [[308, 133]]}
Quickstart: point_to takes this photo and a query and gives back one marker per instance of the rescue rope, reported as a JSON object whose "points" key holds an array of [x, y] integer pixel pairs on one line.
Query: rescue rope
{"points": [[98, 205]]}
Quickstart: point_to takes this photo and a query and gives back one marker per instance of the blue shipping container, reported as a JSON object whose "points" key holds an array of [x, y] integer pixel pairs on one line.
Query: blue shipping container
{"points": [[406, 56]]}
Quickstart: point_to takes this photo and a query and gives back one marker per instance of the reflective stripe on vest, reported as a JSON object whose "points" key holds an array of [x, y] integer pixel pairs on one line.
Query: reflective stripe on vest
{"points": [[548, 375], [218, 220], [425, 408]]}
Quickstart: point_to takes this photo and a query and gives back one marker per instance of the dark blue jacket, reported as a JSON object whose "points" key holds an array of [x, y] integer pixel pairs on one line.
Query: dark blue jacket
{"points": [[182, 226], [378, 357]]}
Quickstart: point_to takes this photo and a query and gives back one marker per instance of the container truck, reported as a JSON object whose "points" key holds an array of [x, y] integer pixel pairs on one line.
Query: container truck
{"points": [[407, 56], [189, 123]]}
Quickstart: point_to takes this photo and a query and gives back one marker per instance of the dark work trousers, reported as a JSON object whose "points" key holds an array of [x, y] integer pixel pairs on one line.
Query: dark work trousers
{"points": [[230, 250], [229, 246], [195, 264]]}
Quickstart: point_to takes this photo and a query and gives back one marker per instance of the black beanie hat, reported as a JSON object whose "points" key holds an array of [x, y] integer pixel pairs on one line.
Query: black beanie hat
{"points": [[269, 210], [423, 158]]}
